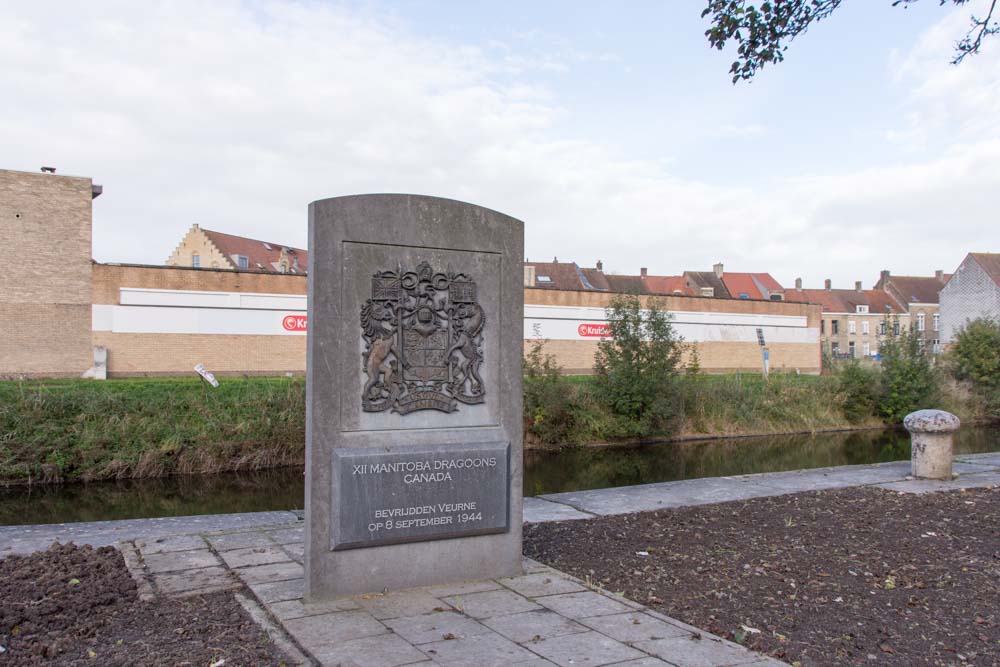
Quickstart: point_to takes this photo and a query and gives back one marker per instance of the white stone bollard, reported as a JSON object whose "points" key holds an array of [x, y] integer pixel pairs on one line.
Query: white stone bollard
{"points": [[930, 443]]}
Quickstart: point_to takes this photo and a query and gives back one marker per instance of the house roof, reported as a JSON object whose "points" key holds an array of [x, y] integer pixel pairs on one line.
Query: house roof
{"points": [[262, 255], [667, 285], [560, 275], [751, 284], [699, 279], [990, 263], [847, 300], [916, 289]]}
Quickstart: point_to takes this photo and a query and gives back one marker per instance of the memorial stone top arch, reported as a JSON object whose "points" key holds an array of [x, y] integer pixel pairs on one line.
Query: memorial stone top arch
{"points": [[414, 431]]}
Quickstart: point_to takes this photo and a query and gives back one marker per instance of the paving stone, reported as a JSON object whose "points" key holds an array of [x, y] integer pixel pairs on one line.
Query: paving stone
{"points": [[203, 580], [325, 631], [581, 605], [588, 648], [272, 572], [279, 591], [491, 603], [486, 650], [634, 627], [253, 538], [967, 481], [531, 625], [705, 652], [428, 628], [537, 510], [296, 552], [297, 609], [645, 662], [166, 544], [380, 651], [534, 567], [288, 535], [463, 588], [176, 561], [401, 603], [536, 585], [250, 556]]}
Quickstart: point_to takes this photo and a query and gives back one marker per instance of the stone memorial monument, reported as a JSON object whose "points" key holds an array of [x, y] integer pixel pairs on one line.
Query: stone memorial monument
{"points": [[413, 424]]}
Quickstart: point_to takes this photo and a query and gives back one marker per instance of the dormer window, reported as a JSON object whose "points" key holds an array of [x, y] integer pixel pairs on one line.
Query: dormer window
{"points": [[242, 262], [708, 291], [861, 308], [544, 279], [744, 295]]}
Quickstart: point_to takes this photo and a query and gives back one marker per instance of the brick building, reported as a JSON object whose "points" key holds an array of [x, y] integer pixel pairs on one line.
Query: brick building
{"points": [[854, 321], [920, 295], [972, 291], [204, 248], [45, 266]]}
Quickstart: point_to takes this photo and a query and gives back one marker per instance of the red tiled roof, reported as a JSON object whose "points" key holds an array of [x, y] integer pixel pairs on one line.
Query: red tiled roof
{"points": [[847, 300], [990, 262], [667, 285], [917, 289], [257, 252]]}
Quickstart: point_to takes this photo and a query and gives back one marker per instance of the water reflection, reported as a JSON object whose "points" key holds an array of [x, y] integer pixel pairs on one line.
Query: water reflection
{"points": [[544, 472]]}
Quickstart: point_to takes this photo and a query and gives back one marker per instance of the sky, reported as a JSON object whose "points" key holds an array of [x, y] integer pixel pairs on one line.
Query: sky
{"points": [[612, 130]]}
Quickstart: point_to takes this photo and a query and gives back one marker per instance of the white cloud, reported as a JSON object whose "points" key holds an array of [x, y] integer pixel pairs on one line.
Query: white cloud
{"points": [[235, 115]]}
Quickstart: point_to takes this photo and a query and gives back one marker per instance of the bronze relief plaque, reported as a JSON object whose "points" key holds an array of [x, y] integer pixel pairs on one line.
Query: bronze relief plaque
{"points": [[423, 341]]}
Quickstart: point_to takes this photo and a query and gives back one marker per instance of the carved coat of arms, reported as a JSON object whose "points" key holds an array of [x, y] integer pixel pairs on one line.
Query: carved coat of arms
{"points": [[423, 335]]}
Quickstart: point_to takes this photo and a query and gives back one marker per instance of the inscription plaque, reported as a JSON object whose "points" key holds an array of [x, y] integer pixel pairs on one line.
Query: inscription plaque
{"points": [[413, 494]]}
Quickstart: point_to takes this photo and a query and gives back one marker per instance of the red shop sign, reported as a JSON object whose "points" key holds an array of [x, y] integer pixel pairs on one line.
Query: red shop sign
{"points": [[294, 322], [594, 330]]}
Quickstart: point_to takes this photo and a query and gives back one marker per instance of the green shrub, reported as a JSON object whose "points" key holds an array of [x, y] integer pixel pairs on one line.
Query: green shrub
{"points": [[637, 366], [909, 380], [975, 359], [548, 396], [859, 388]]}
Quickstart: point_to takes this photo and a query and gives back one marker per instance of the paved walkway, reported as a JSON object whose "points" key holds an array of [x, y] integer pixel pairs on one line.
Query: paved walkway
{"points": [[544, 617]]}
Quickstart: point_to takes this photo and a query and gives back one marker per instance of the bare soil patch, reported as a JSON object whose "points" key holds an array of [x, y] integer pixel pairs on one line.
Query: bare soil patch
{"points": [[72, 605], [852, 576]]}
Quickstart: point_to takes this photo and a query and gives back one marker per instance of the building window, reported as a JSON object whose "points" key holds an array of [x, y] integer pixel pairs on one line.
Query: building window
{"points": [[822, 327], [850, 349], [862, 309], [920, 321], [242, 262], [835, 327], [865, 327], [936, 322], [936, 346], [835, 348], [866, 349], [881, 328], [744, 295], [777, 297], [852, 327], [895, 328], [195, 259]]}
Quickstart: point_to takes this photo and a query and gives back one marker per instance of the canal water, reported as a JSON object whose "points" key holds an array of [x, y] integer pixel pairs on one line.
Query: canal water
{"points": [[545, 472]]}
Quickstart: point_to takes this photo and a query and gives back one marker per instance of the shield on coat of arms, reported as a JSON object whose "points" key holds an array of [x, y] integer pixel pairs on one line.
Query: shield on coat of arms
{"points": [[422, 331]]}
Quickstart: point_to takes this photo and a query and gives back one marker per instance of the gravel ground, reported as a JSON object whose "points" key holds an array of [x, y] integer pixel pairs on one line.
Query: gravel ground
{"points": [[853, 576], [72, 605]]}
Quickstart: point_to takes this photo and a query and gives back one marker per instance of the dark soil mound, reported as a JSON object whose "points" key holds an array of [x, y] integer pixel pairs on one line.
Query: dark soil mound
{"points": [[72, 605], [854, 576]]}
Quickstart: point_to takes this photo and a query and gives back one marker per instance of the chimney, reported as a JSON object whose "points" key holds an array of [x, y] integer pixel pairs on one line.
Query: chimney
{"points": [[939, 274], [883, 277], [48, 170], [827, 283], [600, 265], [798, 284], [643, 272], [857, 285], [718, 270], [555, 260]]}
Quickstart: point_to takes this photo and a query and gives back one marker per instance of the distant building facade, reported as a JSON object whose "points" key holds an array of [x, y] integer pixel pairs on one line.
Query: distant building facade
{"points": [[207, 249], [855, 322], [920, 295], [973, 291]]}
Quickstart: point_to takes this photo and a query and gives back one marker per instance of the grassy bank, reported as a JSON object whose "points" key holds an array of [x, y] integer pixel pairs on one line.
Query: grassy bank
{"points": [[85, 430]]}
